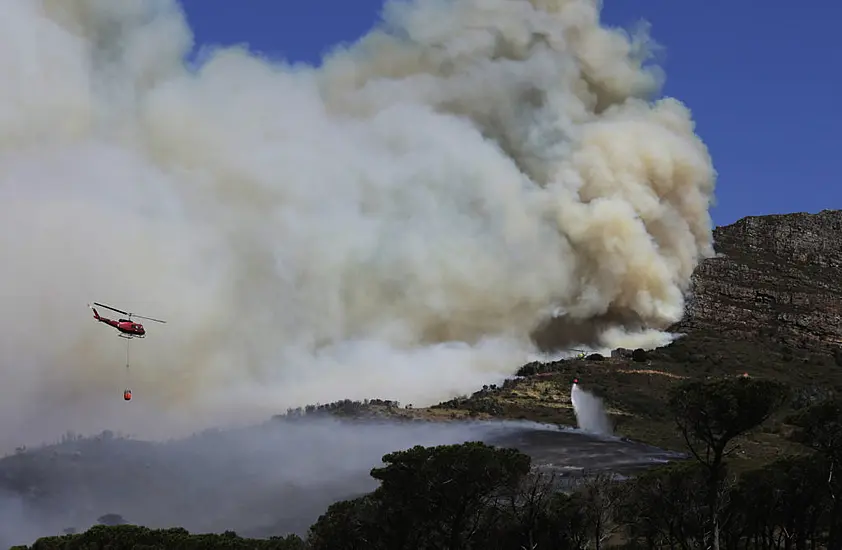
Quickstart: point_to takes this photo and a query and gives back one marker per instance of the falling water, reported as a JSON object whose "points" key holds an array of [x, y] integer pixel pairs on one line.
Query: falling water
{"points": [[590, 414]]}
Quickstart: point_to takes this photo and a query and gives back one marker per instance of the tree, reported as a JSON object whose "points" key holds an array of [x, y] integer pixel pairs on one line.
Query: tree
{"points": [[538, 516], [525, 513], [566, 523], [349, 525], [118, 537], [111, 519], [710, 416], [820, 428], [663, 507], [445, 489], [429, 497], [600, 496], [782, 501]]}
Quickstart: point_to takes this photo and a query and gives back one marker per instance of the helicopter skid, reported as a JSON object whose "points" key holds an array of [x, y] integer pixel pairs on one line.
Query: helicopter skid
{"points": [[130, 336]]}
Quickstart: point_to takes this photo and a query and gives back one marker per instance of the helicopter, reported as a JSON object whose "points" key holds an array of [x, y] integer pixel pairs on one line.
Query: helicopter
{"points": [[126, 327]]}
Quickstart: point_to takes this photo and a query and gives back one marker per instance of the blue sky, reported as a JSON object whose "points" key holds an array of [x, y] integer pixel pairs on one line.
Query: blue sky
{"points": [[763, 80]]}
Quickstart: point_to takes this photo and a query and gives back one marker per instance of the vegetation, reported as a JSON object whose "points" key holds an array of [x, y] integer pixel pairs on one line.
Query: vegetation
{"points": [[765, 466], [136, 538], [710, 415], [345, 408], [473, 495], [635, 390]]}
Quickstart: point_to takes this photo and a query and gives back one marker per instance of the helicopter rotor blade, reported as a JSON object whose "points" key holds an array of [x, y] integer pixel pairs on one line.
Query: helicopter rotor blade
{"points": [[148, 318], [111, 308], [127, 313]]}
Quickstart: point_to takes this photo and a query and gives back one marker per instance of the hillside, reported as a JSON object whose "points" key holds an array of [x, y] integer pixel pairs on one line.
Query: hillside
{"points": [[769, 305], [777, 279]]}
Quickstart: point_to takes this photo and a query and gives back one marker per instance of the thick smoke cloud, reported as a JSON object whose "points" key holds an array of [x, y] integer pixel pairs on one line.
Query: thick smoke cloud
{"points": [[395, 223]]}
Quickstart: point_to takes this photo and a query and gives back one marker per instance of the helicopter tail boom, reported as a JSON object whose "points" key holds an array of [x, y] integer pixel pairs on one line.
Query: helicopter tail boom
{"points": [[96, 315]]}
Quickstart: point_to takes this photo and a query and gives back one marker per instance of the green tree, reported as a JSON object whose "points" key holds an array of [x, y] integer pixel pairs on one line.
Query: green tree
{"points": [[134, 537], [784, 501], [524, 514], [600, 496], [710, 416], [449, 487], [566, 524], [429, 497], [664, 507], [350, 525], [819, 427], [111, 519], [538, 516]]}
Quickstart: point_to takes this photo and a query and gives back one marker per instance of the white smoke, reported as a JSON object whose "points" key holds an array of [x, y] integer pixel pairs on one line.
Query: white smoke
{"points": [[589, 411], [394, 223]]}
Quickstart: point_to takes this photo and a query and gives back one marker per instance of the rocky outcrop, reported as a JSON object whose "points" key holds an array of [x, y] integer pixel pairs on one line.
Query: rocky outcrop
{"points": [[776, 277]]}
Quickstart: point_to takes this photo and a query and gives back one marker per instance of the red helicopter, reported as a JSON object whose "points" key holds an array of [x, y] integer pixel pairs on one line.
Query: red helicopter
{"points": [[127, 328]]}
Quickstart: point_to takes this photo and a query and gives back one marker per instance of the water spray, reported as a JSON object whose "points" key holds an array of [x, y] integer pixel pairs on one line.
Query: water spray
{"points": [[590, 414]]}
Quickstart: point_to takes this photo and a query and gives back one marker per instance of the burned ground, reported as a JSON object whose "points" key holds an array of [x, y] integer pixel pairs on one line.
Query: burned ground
{"points": [[769, 305]]}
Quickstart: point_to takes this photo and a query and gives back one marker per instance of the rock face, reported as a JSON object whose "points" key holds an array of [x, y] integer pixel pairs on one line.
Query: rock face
{"points": [[776, 277]]}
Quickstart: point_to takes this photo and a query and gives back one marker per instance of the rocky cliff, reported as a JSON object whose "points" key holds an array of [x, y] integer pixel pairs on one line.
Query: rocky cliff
{"points": [[775, 278]]}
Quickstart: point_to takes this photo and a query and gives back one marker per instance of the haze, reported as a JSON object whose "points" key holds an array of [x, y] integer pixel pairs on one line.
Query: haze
{"points": [[393, 224]]}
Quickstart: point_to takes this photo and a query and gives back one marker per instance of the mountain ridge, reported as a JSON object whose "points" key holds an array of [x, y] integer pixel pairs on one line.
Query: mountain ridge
{"points": [[773, 277], [769, 304]]}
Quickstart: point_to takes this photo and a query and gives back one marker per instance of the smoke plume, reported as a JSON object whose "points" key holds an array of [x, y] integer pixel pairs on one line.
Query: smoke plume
{"points": [[397, 222]]}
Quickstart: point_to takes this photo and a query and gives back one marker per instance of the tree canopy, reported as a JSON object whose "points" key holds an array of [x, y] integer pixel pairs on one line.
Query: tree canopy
{"points": [[476, 496]]}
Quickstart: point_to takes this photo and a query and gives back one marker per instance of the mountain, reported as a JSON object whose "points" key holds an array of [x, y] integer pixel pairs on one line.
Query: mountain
{"points": [[768, 305], [775, 279]]}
